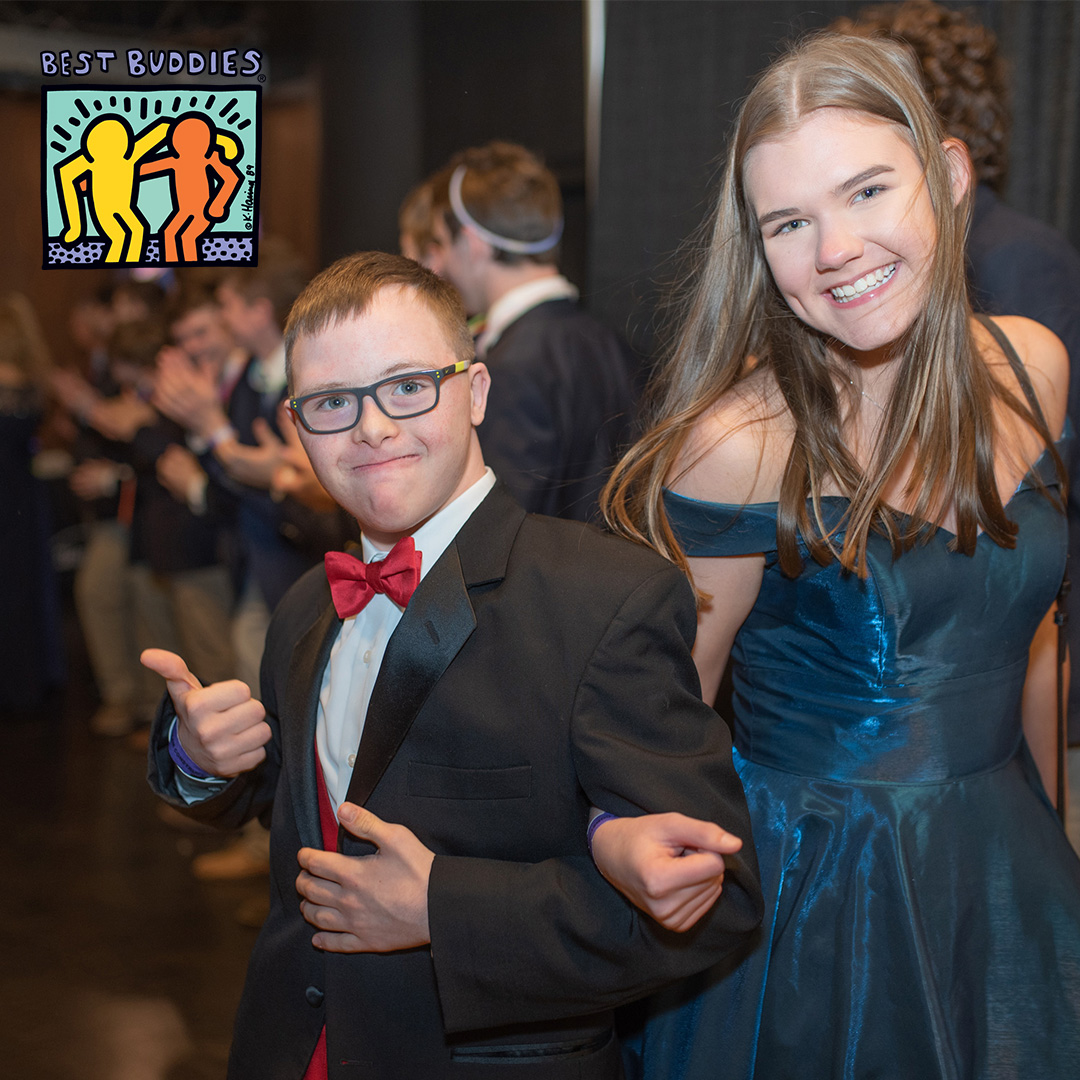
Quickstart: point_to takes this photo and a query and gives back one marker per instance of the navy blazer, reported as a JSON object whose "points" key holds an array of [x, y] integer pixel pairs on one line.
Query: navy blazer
{"points": [[165, 534], [560, 409]]}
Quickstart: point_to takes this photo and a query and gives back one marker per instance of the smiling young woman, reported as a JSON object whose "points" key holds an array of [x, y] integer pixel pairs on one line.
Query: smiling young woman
{"points": [[862, 481]]}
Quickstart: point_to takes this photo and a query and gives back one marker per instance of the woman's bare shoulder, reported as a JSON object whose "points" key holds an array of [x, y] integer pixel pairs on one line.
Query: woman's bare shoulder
{"points": [[737, 451], [1044, 357]]}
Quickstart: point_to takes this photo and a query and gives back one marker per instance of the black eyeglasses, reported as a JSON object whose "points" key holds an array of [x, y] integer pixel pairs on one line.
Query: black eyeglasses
{"points": [[400, 397]]}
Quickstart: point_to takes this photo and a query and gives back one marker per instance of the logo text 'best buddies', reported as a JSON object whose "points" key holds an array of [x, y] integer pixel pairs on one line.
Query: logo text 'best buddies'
{"points": [[150, 177], [225, 62]]}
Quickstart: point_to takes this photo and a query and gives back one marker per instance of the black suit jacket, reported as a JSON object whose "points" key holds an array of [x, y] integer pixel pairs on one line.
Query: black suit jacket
{"points": [[541, 666], [560, 409], [165, 534]]}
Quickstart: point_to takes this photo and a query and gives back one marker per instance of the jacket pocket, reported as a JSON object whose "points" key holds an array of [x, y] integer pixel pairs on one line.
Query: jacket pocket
{"points": [[529, 1053], [444, 782]]}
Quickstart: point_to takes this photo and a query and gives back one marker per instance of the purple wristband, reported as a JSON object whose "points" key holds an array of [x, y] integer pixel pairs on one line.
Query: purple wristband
{"points": [[180, 758], [595, 824]]}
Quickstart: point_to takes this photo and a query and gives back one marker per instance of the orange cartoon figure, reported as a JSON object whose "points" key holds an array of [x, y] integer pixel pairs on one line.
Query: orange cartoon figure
{"points": [[199, 154], [104, 170]]}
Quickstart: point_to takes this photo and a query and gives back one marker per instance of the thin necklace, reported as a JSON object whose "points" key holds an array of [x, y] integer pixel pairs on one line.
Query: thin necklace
{"points": [[867, 396]]}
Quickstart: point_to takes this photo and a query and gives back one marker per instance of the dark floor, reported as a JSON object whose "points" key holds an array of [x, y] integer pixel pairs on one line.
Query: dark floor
{"points": [[116, 963]]}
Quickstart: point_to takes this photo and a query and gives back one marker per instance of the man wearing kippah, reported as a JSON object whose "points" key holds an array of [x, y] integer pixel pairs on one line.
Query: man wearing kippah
{"points": [[563, 384]]}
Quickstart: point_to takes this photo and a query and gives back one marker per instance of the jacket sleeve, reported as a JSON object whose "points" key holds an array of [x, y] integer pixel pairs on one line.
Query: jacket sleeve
{"points": [[518, 942]]}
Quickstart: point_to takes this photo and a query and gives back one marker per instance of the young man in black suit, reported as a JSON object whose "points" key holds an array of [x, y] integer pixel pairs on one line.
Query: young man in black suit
{"points": [[430, 762], [564, 385]]}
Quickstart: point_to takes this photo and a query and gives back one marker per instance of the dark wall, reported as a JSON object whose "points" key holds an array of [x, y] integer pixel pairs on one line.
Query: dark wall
{"points": [[404, 85], [401, 85], [675, 72], [368, 58]]}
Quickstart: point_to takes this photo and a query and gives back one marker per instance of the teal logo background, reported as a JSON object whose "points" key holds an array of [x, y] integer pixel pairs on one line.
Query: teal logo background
{"points": [[142, 195]]}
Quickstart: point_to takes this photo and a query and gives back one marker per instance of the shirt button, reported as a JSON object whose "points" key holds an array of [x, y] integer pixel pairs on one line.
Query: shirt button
{"points": [[352, 760], [367, 657], [314, 996]]}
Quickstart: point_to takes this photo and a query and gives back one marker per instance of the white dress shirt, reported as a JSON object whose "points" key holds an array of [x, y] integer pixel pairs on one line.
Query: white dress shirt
{"points": [[512, 305], [357, 654], [267, 375]]}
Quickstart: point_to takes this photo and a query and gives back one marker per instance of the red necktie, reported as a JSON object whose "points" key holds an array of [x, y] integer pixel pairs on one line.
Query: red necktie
{"points": [[353, 583]]}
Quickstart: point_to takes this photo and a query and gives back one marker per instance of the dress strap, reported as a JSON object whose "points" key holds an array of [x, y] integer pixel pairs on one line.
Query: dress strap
{"points": [[1061, 614]]}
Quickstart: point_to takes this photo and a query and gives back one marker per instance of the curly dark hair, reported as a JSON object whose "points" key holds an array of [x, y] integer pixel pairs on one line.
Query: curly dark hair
{"points": [[964, 74]]}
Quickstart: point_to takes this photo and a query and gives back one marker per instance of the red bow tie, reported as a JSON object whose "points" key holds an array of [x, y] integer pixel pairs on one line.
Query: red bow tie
{"points": [[353, 583]]}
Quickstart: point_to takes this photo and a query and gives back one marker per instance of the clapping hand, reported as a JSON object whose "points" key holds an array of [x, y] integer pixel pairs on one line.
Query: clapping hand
{"points": [[177, 469], [294, 475], [253, 465], [188, 392]]}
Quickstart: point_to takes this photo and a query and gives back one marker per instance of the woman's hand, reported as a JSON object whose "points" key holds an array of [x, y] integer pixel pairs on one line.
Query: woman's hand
{"points": [[669, 865]]}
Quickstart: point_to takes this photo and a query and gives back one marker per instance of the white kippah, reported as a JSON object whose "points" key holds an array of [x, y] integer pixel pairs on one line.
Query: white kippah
{"points": [[503, 243]]}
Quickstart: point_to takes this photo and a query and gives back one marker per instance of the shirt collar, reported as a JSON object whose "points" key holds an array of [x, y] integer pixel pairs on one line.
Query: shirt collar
{"points": [[512, 305], [267, 375], [435, 535]]}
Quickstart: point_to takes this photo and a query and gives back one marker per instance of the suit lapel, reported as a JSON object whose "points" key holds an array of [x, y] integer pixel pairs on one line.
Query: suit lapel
{"points": [[434, 627], [309, 659], [432, 630]]}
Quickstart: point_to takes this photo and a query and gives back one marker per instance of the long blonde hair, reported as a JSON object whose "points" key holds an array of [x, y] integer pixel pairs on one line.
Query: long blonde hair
{"points": [[942, 402]]}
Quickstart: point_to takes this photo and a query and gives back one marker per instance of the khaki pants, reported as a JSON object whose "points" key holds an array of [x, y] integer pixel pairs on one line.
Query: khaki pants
{"points": [[188, 612], [105, 603], [249, 627]]}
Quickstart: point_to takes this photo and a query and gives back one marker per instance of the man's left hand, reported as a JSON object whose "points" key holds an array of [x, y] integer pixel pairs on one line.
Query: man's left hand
{"points": [[367, 903]]}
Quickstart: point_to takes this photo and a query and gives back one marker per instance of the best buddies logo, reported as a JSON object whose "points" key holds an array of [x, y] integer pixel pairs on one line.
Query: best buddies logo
{"points": [[136, 176]]}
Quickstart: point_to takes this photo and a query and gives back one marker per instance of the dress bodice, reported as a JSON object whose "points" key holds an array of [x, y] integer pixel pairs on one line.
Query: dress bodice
{"points": [[912, 674]]}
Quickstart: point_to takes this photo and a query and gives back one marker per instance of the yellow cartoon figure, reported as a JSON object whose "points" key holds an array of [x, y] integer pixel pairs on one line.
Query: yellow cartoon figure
{"points": [[105, 172]]}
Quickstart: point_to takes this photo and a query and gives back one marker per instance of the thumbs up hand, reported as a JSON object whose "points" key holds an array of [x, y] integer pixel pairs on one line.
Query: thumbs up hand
{"points": [[221, 726]]}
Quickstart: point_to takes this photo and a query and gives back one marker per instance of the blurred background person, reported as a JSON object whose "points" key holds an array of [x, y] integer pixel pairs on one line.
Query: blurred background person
{"points": [[415, 220], [104, 483], [562, 384], [182, 588], [31, 651], [237, 439]]}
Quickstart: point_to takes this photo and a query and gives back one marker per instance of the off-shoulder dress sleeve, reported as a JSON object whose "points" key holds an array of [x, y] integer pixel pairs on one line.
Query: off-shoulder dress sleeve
{"points": [[706, 529]]}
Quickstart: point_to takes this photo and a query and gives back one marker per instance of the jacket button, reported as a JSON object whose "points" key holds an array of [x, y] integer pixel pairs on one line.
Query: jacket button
{"points": [[314, 996]]}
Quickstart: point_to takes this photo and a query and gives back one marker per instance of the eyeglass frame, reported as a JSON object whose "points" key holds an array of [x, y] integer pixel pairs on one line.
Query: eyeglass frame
{"points": [[361, 392]]}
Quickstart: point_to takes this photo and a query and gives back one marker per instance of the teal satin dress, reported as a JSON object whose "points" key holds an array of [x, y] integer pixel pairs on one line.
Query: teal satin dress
{"points": [[922, 901]]}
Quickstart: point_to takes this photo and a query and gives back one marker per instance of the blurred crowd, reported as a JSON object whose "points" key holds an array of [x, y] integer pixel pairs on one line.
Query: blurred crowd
{"points": [[166, 447], [162, 453]]}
